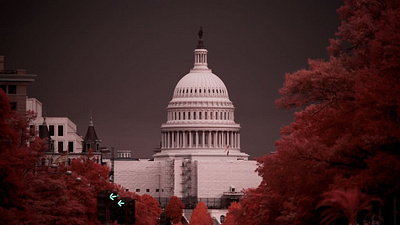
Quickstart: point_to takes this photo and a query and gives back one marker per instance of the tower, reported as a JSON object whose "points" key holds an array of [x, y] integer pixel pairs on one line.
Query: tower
{"points": [[200, 117], [91, 140], [45, 134]]}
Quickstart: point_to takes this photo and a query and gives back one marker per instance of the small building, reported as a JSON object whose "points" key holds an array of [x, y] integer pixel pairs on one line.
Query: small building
{"points": [[61, 129], [14, 83]]}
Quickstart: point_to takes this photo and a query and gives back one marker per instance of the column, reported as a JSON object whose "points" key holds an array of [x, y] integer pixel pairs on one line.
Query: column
{"points": [[223, 139], [238, 140], [178, 139], [168, 141], [184, 139], [190, 139], [197, 139], [203, 139], [231, 139], [209, 139]]}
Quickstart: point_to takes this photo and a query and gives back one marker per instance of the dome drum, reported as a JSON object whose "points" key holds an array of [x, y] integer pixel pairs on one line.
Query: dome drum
{"points": [[204, 139]]}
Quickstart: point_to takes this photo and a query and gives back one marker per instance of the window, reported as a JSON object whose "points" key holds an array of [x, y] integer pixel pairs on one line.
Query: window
{"points": [[13, 105], [97, 147], [60, 130], [70, 146], [147, 190], [88, 147], [12, 89], [157, 190], [51, 130], [137, 190], [60, 146]]}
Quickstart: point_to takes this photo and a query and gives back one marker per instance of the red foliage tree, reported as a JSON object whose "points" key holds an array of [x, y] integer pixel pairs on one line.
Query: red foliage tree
{"points": [[200, 215], [35, 194], [174, 209], [347, 124], [235, 212]]}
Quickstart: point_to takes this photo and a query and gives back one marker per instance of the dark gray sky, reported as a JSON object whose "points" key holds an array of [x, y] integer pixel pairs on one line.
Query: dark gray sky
{"points": [[122, 59]]}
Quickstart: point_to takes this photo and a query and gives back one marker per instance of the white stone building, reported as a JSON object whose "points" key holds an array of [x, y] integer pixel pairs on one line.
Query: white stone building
{"points": [[200, 158], [61, 129]]}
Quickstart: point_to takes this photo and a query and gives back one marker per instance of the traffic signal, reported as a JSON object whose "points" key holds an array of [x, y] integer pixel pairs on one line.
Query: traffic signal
{"points": [[102, 202], [121, 215], [130, 211]]}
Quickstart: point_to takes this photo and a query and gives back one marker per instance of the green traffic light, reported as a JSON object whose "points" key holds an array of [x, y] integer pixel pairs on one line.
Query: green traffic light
{"points": [[112, 196]]}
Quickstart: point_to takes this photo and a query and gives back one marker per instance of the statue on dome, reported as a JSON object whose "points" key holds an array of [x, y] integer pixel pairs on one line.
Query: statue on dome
{"points": [[201, 33]]}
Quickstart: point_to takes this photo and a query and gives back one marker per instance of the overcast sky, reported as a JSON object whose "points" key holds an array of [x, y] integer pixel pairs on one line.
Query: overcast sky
{"points": [[122, 59]]}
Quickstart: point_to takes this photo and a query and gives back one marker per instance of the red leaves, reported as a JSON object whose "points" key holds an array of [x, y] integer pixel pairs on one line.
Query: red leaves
{"points": [[174, 209], [346, 132], [35, 194], [200, 215]]}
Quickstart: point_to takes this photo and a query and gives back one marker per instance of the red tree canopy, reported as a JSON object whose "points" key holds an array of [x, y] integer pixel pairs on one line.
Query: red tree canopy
{"points": [[174, 209], [345, 132], [200, 215], [34, 194]]}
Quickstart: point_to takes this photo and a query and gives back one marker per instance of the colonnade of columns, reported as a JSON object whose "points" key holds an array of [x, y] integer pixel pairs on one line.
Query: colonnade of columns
{"points": [[200, 139]]}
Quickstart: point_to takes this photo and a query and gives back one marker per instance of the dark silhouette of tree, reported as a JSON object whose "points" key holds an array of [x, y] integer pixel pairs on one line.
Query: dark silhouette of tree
{"points": [[346, 205], [345, 133], [200, 215], [174, 209]]}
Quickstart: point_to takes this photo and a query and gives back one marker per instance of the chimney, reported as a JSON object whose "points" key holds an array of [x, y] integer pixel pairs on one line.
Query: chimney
{"points": [[1, 62]]}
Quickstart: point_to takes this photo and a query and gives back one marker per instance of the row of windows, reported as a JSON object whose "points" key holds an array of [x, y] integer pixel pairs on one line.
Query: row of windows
{"points": [[148, 190], [195, 90], [9, 89], [61, 146], [199, 104], [200, 115], [124, 155], [60, 130]]}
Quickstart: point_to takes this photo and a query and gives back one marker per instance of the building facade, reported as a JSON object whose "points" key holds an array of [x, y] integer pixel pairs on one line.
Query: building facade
{"points": [[15, 83], [61, 129]]}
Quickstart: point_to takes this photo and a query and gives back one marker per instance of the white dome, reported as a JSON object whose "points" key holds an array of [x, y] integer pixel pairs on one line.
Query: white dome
{"points": [[201, 84], [200, 117]]}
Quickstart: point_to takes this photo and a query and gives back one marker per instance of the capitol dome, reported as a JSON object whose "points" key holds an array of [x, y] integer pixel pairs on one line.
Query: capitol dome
{"points": [[201, 85], [200, 116]]}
